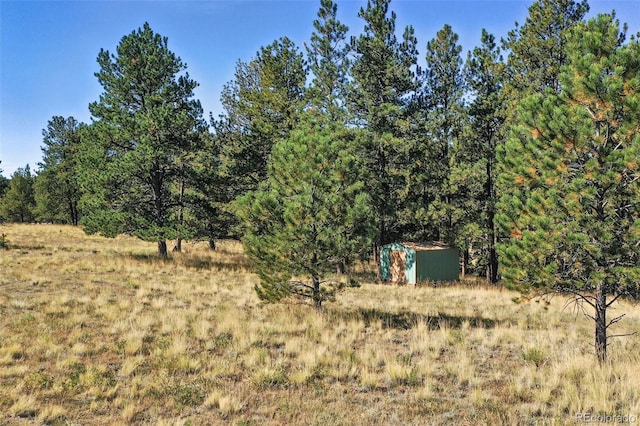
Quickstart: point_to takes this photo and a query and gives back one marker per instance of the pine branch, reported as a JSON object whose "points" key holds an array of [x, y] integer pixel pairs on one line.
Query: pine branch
{"points": [[616, 297], [614, 320], [622, 335], [578, 295]]}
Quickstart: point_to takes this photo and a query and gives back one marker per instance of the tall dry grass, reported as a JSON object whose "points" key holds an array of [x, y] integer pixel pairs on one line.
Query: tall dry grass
{"points": [[99, 331]]}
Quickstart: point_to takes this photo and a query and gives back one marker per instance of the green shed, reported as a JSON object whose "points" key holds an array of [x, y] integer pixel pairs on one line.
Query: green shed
{"points": [[412, 263]]}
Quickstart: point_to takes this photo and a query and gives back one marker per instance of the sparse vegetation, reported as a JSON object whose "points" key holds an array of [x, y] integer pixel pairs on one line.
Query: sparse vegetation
{"points": [[523, 158], [100, 331]]}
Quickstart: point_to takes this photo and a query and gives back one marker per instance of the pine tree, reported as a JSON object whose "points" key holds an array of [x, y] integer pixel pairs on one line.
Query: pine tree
{"points": [[474, 159], [261, 106], [18, 202], [4, 183], [138, 151], [309, 215], [570, 182], [440, 118], [384, 79], [537, 48], [209, 196], [328, 60], [57, 192], [536, 53]]}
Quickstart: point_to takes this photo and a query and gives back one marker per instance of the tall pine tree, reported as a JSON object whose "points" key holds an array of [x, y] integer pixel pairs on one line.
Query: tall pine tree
{"points": [[137, 153], [384, 79], [440, 119], [536, 52], [261, 106], [57, 191], [474, 169], [570, 179], [537, 48], [328, 59]]}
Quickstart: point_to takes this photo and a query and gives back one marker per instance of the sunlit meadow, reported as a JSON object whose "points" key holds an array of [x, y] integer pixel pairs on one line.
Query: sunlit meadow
{"points": [[99, 331]]}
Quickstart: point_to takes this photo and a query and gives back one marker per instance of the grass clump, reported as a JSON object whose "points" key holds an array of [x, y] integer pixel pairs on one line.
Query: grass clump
{"points": [[535, 356], [4, 243]]}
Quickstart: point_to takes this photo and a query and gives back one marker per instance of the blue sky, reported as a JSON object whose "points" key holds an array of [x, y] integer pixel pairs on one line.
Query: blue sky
{"points": [[48, 49]]}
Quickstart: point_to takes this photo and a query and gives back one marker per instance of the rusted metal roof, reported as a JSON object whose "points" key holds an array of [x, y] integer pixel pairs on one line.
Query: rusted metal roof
{"points": [[426, 245]]}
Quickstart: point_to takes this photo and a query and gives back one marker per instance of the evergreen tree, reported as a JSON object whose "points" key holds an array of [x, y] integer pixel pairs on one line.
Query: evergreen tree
{"points": [[536, 53], [261, 106], [4, 183], [328, 62], [570, 183], [537, 48], [209, 196], [474, 159], [310, 214], [384, 79], [441, 118], [18, 202], [57, 192], [138, 151]]}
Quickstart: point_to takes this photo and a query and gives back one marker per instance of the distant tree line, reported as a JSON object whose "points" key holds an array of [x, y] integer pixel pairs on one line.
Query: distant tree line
{"points": [[523, 154]]}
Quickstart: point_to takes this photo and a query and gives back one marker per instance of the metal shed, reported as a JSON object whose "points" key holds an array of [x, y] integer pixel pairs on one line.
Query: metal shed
{"points": [[412, 263]]}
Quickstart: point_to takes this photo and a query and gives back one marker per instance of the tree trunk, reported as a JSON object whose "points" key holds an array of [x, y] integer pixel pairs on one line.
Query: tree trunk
{"points": [[601, 323], [465, 262], [341, 268], [376, 260], [493, 264], [178, 246], [73, 213], [317, 297], [379, 245], [383, 204], [315, 280], [212, 239], [492, 237], [159, 207], [162, 249]]}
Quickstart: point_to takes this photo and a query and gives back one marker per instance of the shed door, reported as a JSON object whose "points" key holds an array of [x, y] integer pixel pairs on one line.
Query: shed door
{"points": [[397, 266]]}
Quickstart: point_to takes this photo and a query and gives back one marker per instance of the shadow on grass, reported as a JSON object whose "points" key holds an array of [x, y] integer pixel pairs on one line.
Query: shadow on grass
{"points": [[364, 276], [234, 263], [149, 258], [407, 320], [25, 247]]}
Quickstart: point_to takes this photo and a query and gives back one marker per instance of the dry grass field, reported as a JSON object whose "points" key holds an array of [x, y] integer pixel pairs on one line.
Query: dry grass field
{"points": [[98, 331]]}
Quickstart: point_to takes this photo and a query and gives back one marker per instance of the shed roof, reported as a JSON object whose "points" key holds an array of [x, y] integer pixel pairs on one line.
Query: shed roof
{"points": [[426, 245]]}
